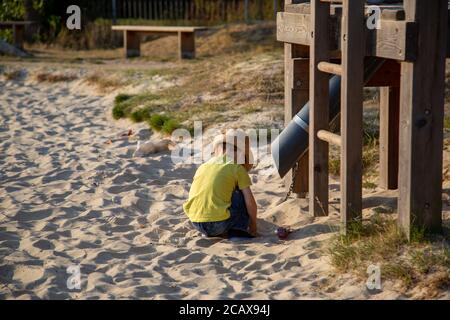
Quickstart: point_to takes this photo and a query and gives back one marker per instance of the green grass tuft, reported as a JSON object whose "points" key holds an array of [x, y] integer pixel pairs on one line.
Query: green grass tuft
{"points": [[379, 241], [140, 115], [170, 126], [119, 111], [157, 121], [122, 98]]}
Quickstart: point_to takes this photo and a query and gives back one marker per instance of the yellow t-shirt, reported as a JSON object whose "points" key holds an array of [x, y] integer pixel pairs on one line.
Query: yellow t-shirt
{"points": [[212, 188]]}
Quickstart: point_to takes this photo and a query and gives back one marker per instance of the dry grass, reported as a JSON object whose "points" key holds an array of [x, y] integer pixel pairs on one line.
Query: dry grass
{"points": [[421, 262], [242, 79], [370, 156], [54, 77], [12, 74], [103, 81]]}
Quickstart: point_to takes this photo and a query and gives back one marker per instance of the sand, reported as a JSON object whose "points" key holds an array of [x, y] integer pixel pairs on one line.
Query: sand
{"points": [[67, 197]]}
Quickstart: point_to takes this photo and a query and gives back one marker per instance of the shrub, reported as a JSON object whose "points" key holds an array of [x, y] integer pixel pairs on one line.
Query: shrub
{"points": [[140, 115], [170, 126], [119, 111], [121, 98], [157, 121]]}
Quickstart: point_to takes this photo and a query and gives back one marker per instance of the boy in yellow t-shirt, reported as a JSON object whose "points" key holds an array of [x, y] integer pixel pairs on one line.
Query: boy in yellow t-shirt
{"points": [[220, 199]]}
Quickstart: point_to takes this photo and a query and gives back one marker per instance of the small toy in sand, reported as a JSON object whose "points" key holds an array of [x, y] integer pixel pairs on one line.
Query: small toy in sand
{"points": [[283, 233], [152, 147], [128, 134]]}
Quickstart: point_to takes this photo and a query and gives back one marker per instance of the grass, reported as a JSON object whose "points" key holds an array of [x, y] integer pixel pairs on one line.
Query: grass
{"points": [[447, 123], [369, 184], [12, 74], [119, 110], [370, 155], [169, 126], [54, 77], [379, 241], [102, 81], [124, 107], [157, 121], [209, 89]]}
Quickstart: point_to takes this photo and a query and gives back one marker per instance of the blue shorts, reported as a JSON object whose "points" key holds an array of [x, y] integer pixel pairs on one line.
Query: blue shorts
{"points": [[239, 218]]}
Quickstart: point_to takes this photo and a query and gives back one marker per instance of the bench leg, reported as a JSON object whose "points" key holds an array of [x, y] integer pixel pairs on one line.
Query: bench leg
{"points": [[132, 44], [186, 44], [18, 35]]}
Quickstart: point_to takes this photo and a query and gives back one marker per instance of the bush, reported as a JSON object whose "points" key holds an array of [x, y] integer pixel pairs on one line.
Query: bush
{"points": [[170, 126], [157, 121], [121, 98], [119, 111], [140, 115]]}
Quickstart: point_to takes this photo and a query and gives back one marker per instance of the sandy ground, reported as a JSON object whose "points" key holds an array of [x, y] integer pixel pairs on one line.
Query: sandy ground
{"points": [[69, 198]]}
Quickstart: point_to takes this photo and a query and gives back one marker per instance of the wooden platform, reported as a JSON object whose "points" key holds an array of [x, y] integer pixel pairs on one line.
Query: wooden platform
{"points": [[322, 38], [396, 39], [132, 38]]}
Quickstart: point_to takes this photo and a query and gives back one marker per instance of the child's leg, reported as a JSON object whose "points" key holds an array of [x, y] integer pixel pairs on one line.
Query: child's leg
{"points": [[212, 229], [240, 219]]}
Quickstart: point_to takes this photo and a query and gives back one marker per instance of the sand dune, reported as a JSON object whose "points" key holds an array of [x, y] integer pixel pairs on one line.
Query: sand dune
{"points": [[69, 198]]}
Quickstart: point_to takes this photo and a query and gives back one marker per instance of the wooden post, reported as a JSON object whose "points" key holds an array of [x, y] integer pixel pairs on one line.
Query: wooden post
{"points": [[296, 66], [389, 140], [319, 112], [186, 45], [18, 35], [353, 49], [421, 120], [132, 43]]}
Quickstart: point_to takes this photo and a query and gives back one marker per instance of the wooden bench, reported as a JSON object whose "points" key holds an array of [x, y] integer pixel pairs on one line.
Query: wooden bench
{"points": [[132, 38], [18, 28]]}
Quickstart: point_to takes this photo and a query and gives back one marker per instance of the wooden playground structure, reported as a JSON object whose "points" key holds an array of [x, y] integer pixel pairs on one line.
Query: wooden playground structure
{"points": [[324, 37]]}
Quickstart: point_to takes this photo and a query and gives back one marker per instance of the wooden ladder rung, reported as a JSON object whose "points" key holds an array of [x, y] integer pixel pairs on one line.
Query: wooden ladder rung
{"points": [[332, 1], [331, 68], [329, 137]]}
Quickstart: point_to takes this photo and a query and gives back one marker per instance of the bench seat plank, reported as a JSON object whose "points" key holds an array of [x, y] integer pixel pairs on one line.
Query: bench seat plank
{"points": [[156, 28]]}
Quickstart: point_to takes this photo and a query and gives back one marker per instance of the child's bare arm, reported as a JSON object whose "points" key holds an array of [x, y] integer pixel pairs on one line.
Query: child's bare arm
{"points": [[250, 203]]}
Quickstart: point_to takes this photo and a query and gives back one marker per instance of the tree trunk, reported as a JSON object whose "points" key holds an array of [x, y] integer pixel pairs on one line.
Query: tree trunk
{"points": [[31, 14]]}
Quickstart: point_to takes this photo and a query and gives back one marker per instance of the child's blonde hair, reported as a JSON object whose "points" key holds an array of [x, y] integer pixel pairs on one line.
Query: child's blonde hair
{"points": [[238, 142]]}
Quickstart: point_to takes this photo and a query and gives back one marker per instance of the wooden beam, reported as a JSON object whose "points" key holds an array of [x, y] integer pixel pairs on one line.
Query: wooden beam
{"points": [[353, 44], [389, 140], [294, 28], [331, 68], [395, 40], [186, 45], [132, 44], [18, 35], [329, 137], [448, 40], [319, 109], [421, 120], [388, 75], [296, 95]]}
